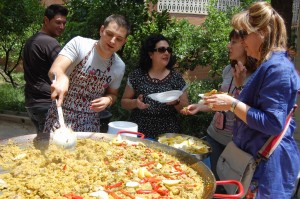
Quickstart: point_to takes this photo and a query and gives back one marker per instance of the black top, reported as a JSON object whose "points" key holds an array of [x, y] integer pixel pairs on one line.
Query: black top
{"points": [[39, 53], [159, 118]]}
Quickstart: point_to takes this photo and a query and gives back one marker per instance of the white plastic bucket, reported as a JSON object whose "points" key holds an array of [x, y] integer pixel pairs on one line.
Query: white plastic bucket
{"points": [[116, 126]]}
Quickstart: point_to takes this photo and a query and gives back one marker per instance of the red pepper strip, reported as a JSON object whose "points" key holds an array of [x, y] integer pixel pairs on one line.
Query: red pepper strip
{"points": [[72, 196], [128, 172], [151, 180], [127, 194], [141, 191], [114, 185], [113, 194], [65, 167], [147, 150], [150, 168], [147, 164], [177, 167], [124, 143], [69, 195], [171, 161], [168, 176], [155, 186], [181, 173], [77, 197], [161, 192]]}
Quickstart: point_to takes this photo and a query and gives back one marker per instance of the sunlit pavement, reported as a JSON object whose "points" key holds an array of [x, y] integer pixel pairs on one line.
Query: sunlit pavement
{"points": [[12, 126]]}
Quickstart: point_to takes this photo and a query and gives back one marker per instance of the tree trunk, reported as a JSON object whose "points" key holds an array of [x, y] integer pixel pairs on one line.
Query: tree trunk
{"points": [[285, 9]]}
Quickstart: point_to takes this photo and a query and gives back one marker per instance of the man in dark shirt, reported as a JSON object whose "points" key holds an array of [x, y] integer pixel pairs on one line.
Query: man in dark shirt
{"points": [[39, 53]]}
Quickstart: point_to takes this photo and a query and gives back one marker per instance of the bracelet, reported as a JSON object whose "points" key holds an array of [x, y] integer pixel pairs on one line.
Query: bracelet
{"points": [[110, 102], [233, 105]]}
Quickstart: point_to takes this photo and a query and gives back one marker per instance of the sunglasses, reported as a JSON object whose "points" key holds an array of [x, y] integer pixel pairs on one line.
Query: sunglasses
{"points": [[163, 49]]}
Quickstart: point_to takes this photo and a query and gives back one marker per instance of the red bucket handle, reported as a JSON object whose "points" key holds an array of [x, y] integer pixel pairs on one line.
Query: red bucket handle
{"points": [[131, 132], [237, 183]]}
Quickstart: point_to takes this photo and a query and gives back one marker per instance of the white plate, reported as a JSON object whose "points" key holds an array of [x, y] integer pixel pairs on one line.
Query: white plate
{"points": [[201, 95], [167, 96]]}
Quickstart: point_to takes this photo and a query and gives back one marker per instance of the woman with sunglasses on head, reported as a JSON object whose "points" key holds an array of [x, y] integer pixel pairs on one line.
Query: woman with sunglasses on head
{"points": [[265, 102], [154, 74], [219, 132]]}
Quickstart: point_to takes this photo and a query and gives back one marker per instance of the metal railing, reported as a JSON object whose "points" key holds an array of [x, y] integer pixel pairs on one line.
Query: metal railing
{"points": [[192, 6], [200, 7], [295, 12]]}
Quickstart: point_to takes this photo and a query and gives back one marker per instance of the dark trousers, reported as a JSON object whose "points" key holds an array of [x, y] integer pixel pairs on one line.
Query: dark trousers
{"points": [[38, 116]]}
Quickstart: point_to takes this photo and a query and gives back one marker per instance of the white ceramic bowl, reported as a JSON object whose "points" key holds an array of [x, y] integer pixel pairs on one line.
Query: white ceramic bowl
{"points": [[116, 126]]}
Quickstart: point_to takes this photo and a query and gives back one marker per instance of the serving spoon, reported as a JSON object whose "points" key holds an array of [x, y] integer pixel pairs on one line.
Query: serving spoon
{"points": [[64, 137]]}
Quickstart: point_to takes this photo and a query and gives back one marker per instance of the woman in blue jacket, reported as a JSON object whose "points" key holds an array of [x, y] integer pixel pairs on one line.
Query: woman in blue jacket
{"points": [[265, 101]]}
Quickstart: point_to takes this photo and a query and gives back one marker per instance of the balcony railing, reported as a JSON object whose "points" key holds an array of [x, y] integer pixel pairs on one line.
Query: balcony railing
{"points": [[192, 6], [295, 12], [200, 6]]}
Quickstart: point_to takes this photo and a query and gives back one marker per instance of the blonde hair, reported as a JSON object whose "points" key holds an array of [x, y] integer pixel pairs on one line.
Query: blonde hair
{"points": [[261, 18]]}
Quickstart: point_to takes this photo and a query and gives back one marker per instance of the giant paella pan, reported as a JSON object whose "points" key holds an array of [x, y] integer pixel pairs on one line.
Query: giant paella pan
{"points": [[103, 166]]}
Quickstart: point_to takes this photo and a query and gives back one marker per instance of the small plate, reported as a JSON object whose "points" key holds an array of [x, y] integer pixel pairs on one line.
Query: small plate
{"points": [[167, 96], [201, 95]]}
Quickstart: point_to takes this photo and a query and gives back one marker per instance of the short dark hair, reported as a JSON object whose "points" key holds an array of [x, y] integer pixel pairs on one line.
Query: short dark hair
{"points": [[145, 62], [234, 34], [120, 20], [55, 9]]}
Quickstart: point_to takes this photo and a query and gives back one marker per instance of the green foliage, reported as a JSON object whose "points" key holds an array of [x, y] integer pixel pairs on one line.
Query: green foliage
{"points": [[215, 31], [17, 15], [18, 18], [186, 39], [11, 98], [195, 125], [86, 16]]}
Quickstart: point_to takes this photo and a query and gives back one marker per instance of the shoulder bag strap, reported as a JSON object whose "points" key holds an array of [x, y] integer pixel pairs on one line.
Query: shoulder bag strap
{"points": [[268, 148]]}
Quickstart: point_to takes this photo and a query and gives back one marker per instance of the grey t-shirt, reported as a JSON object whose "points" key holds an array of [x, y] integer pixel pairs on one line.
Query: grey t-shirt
{"points": [[224, 136], [77, 48]]}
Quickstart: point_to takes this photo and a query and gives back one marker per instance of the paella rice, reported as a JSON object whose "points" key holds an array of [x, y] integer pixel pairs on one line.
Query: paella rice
{"points": [[96, 169], [186, 143]]}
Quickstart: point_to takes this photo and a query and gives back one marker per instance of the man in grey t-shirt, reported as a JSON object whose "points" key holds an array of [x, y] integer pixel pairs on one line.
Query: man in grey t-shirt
{"points": [[39, 53], [88, 75]]}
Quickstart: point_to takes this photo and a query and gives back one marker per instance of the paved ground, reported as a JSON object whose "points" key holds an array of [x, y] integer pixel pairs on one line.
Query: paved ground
{"points": [[11, 126], [16, 125]]}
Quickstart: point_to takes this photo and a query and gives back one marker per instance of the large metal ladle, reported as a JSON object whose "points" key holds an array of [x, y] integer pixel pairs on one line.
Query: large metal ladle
{"points": [[64, 137]]}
